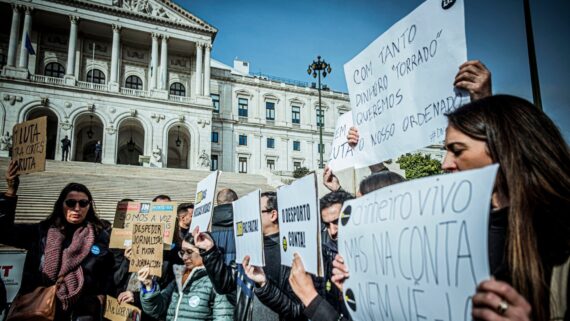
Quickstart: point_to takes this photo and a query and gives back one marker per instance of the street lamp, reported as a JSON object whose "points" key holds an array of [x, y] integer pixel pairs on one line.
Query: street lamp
{"points": [[317, 68]]}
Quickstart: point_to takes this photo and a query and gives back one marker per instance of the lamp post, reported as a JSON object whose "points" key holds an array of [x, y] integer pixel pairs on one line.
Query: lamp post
{"points": [[317, 68]]}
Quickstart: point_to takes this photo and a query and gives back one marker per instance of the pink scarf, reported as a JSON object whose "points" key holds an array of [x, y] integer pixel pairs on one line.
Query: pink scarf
{"points": [[67, 263]]}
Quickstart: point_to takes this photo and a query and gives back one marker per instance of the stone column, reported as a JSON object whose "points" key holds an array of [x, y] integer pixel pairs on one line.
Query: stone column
{"points": [[199, 62], [154, 61], [207, 70], [14, 30], [72, 45], [27, 31], [109, 141], [164, 62], [115, 56]]}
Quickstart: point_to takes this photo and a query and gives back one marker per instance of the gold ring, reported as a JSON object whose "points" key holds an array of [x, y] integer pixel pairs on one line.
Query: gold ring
{"points": [[503, 307]]}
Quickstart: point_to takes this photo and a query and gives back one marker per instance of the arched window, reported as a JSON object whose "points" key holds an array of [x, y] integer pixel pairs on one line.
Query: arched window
{"points": [[54, 69], [134, 82], [96, 76], [177, 89]]}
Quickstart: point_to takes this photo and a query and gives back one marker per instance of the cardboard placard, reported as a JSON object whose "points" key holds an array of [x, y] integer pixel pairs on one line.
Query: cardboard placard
{"points": [[343, 156], [401, 85], [248, 229], [120, 312], [29, 145], [418, 249], [12, 269], [300, 223], [204, 202], [147, 247]]}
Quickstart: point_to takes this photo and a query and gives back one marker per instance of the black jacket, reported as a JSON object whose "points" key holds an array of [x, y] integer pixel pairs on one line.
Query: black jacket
{"points": [[223, 231], [97, 267], [331, 293], [320, 310]]}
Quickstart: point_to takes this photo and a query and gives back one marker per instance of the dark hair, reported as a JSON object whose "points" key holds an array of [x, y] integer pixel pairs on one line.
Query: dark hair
{"points": [[271, 200], [378, 180], [225, 196], [338, 197], [182, 207], [161, 197], [189, 239], [126, 200], [57, 216], [534, 176]]}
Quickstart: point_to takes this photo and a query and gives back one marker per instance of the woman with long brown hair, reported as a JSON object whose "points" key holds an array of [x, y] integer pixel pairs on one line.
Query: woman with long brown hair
{"points": [[529, 231]]}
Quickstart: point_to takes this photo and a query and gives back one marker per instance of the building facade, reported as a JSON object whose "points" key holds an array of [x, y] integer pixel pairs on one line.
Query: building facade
{"points": [[138, 76]]}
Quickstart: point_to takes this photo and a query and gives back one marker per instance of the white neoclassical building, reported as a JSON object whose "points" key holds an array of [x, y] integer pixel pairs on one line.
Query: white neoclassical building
{"points": [[138, 76]]}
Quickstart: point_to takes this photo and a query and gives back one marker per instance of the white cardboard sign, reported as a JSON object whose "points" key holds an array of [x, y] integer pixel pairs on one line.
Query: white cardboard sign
{"points": [[401, 85], [11, 270], [299, 223], [248, 229], [204, 202], [418, 249], [343, 156]]}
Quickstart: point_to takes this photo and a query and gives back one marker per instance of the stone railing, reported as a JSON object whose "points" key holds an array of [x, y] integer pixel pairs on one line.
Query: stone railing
{"points": [[47, 80], [134, 92], [92, 86], [180, 99]]}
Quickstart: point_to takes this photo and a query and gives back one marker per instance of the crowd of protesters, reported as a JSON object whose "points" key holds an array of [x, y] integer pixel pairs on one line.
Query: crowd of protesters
{"points": [[529, 235]]}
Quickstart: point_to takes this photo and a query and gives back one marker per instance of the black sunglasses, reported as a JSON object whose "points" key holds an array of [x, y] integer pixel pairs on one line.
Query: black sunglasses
{"points": [[269, 210], [82, 203]]}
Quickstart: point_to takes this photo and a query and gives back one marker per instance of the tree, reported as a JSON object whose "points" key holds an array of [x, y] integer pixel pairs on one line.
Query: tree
{"points": [[419, 165], [300, 172]]}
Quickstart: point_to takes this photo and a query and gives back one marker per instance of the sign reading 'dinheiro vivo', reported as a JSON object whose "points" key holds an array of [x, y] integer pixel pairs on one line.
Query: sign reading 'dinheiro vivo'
{"points": [[299, 223], [401, 85], [418, 249], [204, 202], [248, 228]]}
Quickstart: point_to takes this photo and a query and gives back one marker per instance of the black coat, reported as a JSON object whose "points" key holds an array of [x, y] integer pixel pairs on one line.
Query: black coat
{"points": [[97, 266]]}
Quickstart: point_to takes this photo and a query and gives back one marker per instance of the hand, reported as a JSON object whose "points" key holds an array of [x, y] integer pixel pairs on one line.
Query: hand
{"points": [[339, 272], [474, 77], [353, 137], [330, 180], [145, 278], [255, 273], [126, 297], [12, 179], [129, 253], [491, 294], [301, 282], [203, 241]]}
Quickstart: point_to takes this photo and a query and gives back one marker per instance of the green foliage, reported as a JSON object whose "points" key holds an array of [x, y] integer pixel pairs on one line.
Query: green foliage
{"points": [[300, 172], [419, 165]]}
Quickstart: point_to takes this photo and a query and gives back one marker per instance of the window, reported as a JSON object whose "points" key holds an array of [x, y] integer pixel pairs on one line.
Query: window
{"points": [[243, 165], [242, 140], [320, 117], [214, 163], [296, 115], [319, 146], [216, 102], [269, 110], [3, 60], [271, 164], [96, 76], [215, 137], [54, 69], [296, 145], [242, 107], [177, 89], [134, 82], [270, 142], [296, 165]]}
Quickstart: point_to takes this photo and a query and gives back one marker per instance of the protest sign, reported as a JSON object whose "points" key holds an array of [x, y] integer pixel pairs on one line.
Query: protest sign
{"points": [[418, 249], [136, 212], [11, 270], [120, 312], [147, 247], [343, 156], [204, 202], [29, 147], [248, 229], [300, 223], [401, 85]]}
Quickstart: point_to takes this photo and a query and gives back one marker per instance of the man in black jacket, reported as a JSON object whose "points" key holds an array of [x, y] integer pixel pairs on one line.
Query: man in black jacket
{"points": [[227, 279], [222, 224]]}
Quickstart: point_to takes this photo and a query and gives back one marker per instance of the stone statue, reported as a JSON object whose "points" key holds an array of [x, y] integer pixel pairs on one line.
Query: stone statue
{"points": [[157, 155], [6, 142], [204, 159]]}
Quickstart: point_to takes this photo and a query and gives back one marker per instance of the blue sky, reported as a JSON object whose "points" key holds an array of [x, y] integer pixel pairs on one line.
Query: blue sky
{"points": [[281, 38]]}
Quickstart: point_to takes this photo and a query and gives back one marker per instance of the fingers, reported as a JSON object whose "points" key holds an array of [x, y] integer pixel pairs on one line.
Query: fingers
{"points": [[245, 262], [353, 136], [338, 263], [195, 232], [475, 64], [506, 292]]}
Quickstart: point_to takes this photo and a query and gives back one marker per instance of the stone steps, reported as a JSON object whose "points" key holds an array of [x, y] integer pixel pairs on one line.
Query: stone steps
{"points": [[111, 183]]}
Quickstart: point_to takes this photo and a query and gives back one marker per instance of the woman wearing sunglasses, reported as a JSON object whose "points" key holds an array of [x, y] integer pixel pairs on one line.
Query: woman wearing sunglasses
{"points": [[71, 243]]}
